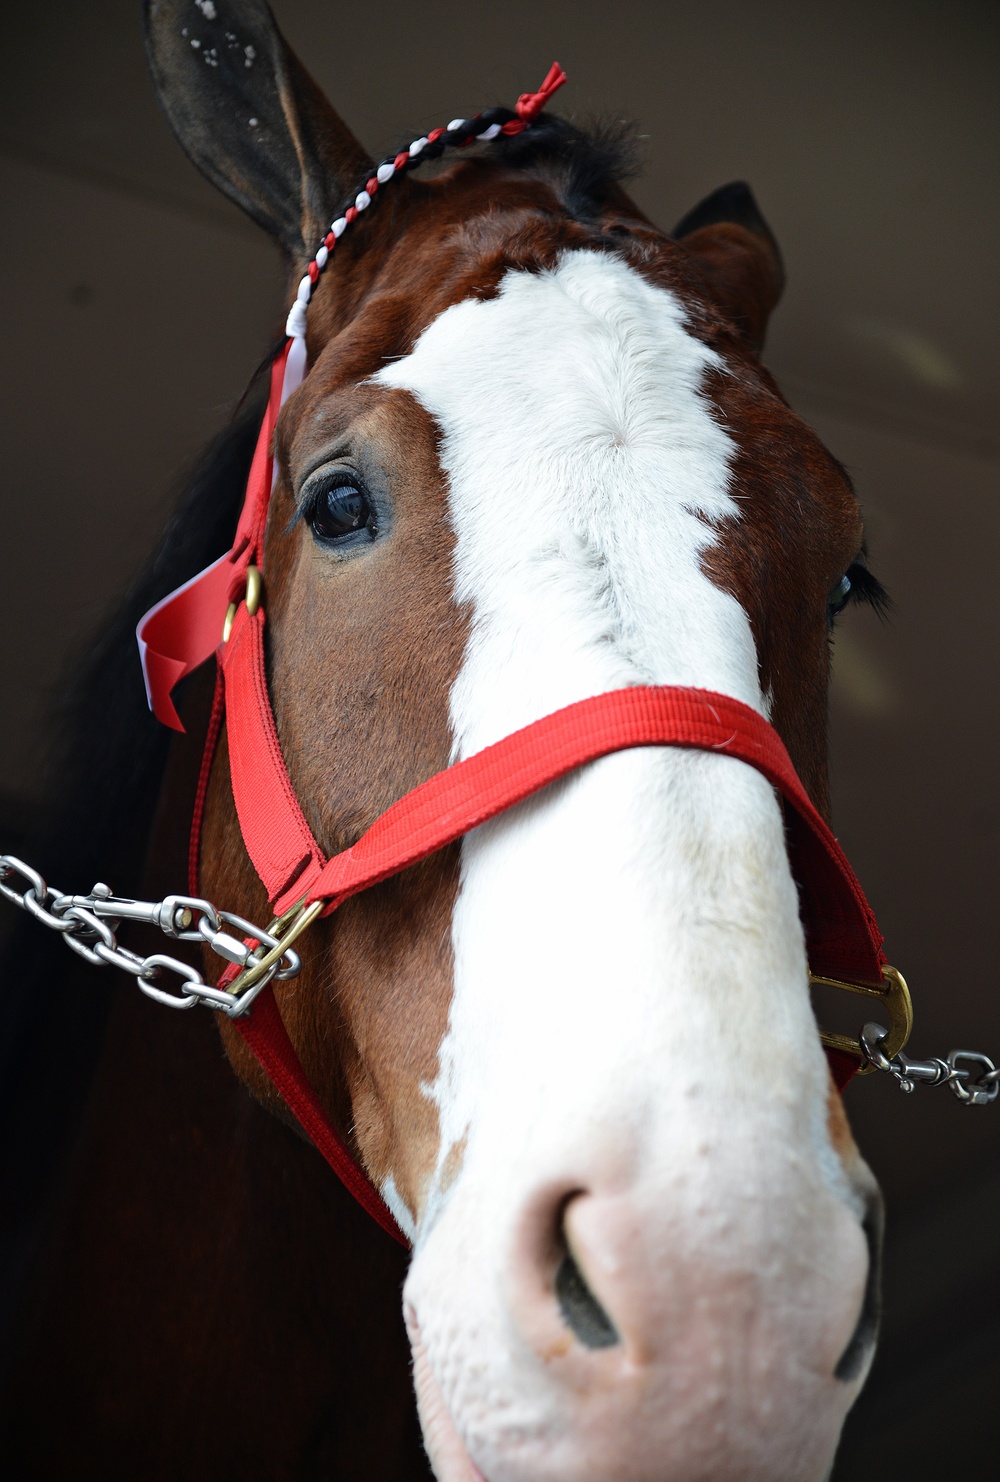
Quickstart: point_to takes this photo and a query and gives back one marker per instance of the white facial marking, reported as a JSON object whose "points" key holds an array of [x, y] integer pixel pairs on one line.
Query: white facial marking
{"points": [[398, 1208], [630, 1015]]}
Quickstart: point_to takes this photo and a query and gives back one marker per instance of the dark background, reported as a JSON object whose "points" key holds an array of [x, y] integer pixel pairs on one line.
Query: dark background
{"points": [[135, 302]]}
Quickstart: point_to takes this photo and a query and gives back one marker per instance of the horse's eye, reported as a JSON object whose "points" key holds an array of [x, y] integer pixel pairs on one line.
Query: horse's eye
{"points": [[340, 509], [839, 597]]}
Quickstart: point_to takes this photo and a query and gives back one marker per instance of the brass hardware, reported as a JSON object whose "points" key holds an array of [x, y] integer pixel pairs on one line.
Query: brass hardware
{"points": [[254, 589], [251, 596], [896, 997], [287, 929]]}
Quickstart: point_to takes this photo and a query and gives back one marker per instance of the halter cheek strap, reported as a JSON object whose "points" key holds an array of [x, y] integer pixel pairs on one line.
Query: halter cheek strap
{"points": [[185, 629]]}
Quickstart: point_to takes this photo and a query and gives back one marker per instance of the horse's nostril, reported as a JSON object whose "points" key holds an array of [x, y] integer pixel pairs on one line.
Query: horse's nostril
{"points": [[581, 1311], [852, 1359]]}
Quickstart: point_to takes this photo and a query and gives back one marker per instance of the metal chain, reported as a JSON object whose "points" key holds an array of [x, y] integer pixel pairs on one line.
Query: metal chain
{"points": [[89, 925], [969, 1075]]}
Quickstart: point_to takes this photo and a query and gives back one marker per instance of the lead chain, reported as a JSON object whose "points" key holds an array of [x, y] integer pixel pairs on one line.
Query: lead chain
{"points": [[89, 925]]}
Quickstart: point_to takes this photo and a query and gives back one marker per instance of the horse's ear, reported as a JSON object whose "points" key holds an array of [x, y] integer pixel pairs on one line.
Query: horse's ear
{"points": [[250, 116], [738, 256]]}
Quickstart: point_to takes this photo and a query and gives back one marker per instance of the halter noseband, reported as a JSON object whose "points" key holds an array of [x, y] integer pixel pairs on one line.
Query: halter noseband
{"points": [[182, 631]]}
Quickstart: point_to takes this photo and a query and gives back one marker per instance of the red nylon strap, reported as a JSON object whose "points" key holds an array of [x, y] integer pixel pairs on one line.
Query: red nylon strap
{"points": [[182, 631], [215, 719], [278, 839], [249, 542], [842, 936], [264, 1031], [841, 933]]}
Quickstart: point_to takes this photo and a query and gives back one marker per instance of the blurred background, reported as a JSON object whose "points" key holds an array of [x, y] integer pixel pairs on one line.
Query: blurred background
{"points": [[136, 302]]}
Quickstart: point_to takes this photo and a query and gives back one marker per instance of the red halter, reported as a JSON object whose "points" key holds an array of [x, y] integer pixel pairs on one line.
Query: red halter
{"points": [[184, 630], [842, 937]]}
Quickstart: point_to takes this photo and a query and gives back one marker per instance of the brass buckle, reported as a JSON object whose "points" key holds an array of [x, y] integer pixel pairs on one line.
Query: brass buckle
{"points": [[287, 929], [896, 997], [251, 596]]}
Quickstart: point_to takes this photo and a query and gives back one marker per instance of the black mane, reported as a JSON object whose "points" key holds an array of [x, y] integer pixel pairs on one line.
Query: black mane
{"points": [[107, 762], [588, 163]]}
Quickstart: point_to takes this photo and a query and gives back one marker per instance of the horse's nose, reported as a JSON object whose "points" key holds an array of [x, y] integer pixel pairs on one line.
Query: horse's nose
{"points": [[717, 1319], [578, 1272], [578, 1276], [583, 1314], [586, 1279]]}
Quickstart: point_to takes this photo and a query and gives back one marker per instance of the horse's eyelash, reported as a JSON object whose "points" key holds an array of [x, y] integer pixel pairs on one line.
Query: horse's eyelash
{"points": [[866, 588]]}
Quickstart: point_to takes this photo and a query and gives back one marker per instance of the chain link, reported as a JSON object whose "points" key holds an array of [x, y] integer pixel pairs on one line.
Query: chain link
{"points": [[970, 1076], [89, 925]]}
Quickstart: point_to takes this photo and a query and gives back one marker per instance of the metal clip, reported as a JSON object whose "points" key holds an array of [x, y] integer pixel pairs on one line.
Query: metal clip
{"points": [[973, 1087], [896, 997], [177, 916]]}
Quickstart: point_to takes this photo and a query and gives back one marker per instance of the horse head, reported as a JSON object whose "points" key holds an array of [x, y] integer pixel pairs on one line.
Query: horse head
{"points": [[536, 457]]}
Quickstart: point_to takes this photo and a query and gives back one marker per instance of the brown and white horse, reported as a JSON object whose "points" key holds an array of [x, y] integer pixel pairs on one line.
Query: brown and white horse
{"points": [[536, 457]]}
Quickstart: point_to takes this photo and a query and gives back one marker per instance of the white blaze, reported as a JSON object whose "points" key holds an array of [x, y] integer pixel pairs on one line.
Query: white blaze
{"points": [[630, 1011]]}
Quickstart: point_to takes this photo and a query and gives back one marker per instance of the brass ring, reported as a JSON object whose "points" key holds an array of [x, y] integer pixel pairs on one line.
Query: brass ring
{"points": [[896, 997], [252, 594], [287, 928], [254, 591]]}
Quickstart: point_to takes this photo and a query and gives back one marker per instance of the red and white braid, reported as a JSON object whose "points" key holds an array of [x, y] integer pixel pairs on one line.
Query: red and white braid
{"points": [[483, 128]]}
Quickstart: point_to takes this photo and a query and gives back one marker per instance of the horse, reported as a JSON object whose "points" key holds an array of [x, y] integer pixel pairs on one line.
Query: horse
{"points": [[535, 458]]}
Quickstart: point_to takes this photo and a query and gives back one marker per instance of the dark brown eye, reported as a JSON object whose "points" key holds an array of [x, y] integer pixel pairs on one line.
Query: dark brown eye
{"points": [[341, 509], [839, 597]]}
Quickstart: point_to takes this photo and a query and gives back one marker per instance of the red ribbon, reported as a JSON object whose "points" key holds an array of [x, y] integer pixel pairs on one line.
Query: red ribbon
{"points": [[530, 105]]}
